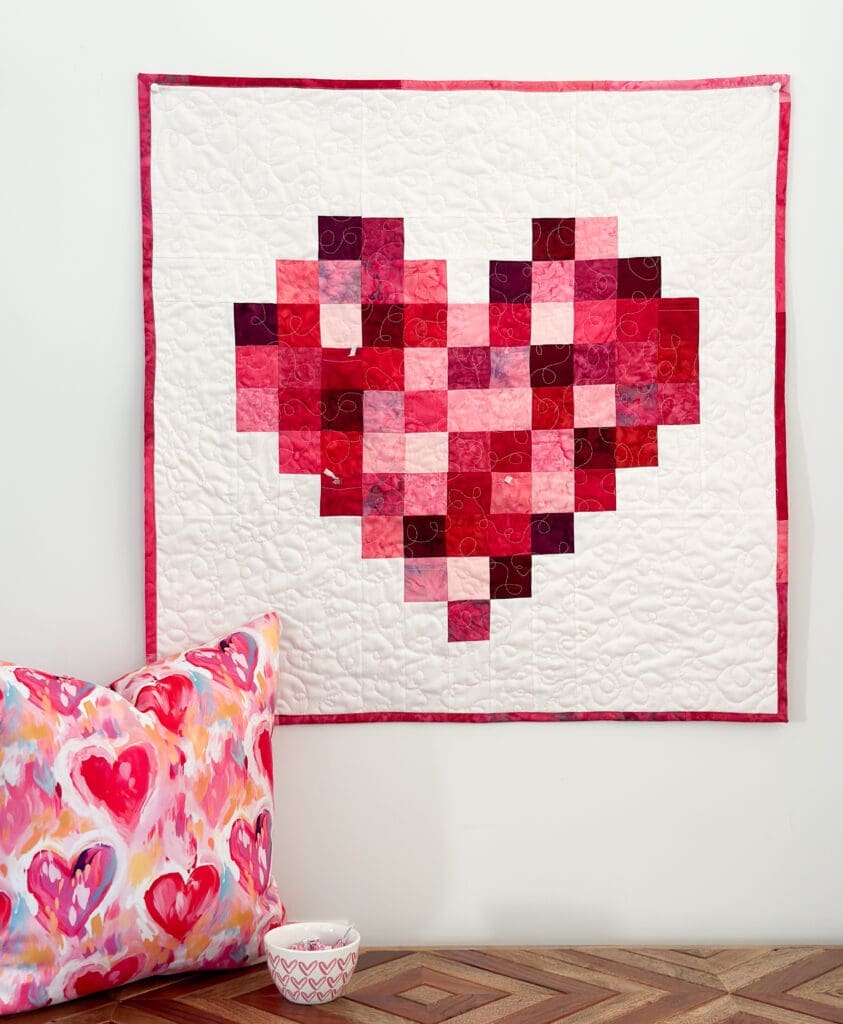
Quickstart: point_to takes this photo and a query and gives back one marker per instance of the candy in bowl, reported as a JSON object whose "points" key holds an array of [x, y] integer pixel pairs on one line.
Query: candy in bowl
{"points": [[311, 962]]}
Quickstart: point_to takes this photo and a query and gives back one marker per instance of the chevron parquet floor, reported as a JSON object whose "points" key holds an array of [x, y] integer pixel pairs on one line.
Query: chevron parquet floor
{"points": [[506, 985]]}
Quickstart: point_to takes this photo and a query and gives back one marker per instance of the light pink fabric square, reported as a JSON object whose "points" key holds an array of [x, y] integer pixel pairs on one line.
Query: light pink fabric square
{"points": [[468, 579], [512, 492], [383, 412], [297, 281], [596, 238], [425, 453], [468, 324], [553, 450], [425, 369], [510, 367], [257, 409], [553, 323], [340, 325], [426, 494], [469, 411], [511, 409], [553, 492], [553, 281], [425, 281], [594, 405], [383, 453]]}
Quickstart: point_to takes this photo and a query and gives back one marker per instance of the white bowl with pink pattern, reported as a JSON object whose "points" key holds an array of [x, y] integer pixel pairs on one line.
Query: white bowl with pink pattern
{"points": [[311, 975]]}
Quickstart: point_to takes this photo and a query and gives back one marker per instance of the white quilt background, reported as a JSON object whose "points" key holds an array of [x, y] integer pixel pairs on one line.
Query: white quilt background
{"points": [[668, 603]]}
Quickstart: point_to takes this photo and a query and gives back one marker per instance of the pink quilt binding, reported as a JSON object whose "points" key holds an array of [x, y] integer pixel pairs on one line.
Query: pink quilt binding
{"points": [[145, 81]]}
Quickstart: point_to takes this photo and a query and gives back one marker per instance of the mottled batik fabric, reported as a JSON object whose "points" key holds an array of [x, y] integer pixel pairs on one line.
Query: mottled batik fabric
{"points": [[135, 821]]}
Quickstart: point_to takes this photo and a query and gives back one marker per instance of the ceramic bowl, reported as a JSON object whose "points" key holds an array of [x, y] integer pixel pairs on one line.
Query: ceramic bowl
{"points": [[311, 976]]}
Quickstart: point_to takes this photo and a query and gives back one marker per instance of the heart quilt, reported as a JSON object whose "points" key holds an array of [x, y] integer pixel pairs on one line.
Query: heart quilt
{"points": [[480, 385]]}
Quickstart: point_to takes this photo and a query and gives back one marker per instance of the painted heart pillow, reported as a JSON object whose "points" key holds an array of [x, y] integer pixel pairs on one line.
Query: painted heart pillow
{"points": [[135, 821]]}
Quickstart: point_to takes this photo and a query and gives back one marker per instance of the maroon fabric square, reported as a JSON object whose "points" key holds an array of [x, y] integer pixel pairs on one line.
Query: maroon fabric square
{"points": [[469, 494], [510, 281], [467, 536], [510, 451], [553, 408], [595, 280], [468, 621], [382, 369], [341, 371], [382, 324], [298, 324], [340, 238], [594, 447], [636, 446], [469, 367], [424, 536], [553, 238], [594, 364], [342, 410], [552, 533], [509, 324], [640, 278], [551, 366], [594, 490], [469, 453], [509, 534], [299, 409], [510, 576], [426, 325], [255, 323]]}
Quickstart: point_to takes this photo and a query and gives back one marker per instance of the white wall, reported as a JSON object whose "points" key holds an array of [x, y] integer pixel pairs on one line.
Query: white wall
{"points": [[600, 832]]}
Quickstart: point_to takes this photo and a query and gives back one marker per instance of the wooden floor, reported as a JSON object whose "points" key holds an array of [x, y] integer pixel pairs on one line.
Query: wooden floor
{"points": [[516, 985]]}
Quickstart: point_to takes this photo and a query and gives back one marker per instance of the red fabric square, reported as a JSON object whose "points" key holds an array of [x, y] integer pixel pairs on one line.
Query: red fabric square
{"points": [[298, 324], [468, 620], [679, 320], [638, 319], [426, 325], [469, 493], [510, 451], [382, 368], [509, 534], [594, 490], [679, 403], [678, 361], [342, 454], [509, 324], [341, 371], [299, 409], [636, 446], [426, 411], [466, 535], [256, 366], [341, 497], [553, 408], [636, 361]]}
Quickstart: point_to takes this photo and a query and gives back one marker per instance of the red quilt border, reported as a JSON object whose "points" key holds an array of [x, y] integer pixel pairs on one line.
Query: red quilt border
{"points": [[145, 83]]}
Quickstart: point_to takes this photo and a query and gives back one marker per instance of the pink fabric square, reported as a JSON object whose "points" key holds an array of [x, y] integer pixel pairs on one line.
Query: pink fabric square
{"points": [[339, 281], [340, 326], [426, 453], [299, 451], [383, 412], [425, 369], [383, 453], [426, 579], [553, 450], [425, 494], [425, 410], [512, 492], [468, 324], [553, 323], [594, 405], [596, 238], [595, 321], [678, 403], [510, 367], [553, 492], [297, 281], [469, 410], [383, 537], [468, 579], [553, 281], [425, 281], [257, 409], [511, 409]]}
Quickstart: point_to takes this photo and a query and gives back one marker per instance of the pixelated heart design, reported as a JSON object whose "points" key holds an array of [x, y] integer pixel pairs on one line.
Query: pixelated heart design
{"points": [[5, 911], [251, 851], [235, 658], [122, 785], [54, 693], [176, 903], [70, 893], [467, 436], [167, 699], [94, 979]]}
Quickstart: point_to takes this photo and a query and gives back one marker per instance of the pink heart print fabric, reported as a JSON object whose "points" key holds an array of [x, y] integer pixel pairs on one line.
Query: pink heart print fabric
{"points": [[135, 821]]}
